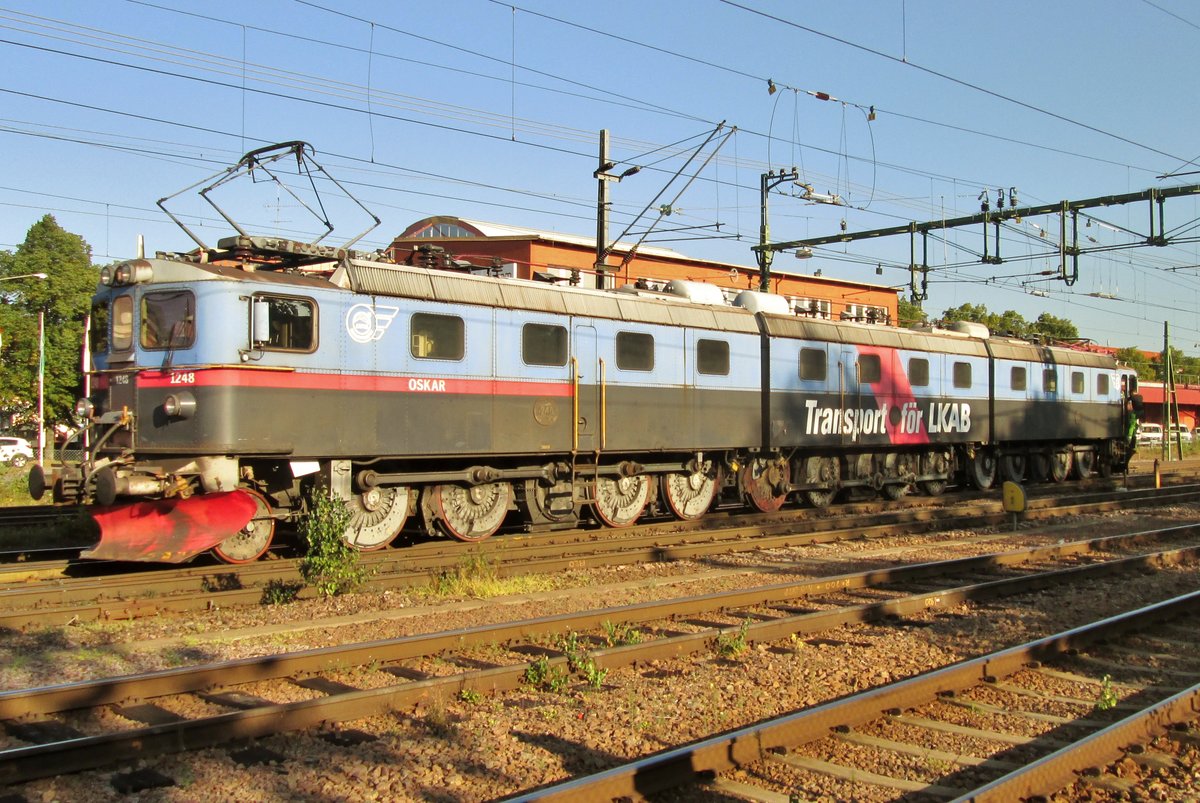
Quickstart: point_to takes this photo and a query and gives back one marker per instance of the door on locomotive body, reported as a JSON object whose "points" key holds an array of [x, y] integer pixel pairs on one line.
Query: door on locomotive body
{"points": [[876, 379], [586, 365], [722, 388]]}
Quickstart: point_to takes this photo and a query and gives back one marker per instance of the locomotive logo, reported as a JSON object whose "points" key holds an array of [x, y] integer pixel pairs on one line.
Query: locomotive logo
{"points": [[366, 324]]}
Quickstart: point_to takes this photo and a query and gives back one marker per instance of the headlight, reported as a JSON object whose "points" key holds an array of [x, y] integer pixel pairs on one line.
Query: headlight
{"points": [[106, 276], [180, 405], [84, 409], [132, 273]]}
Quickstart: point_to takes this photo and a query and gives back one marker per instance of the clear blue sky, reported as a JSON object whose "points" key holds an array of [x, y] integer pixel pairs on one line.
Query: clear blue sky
{"points": [[491, 111]]}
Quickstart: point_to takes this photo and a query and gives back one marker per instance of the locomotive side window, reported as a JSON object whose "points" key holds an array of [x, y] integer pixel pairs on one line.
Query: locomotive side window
{"points": [[542, 344], [813, 365], [918, 372], [1050, 380], [712, 357], [635, 351], [868, 369], [1077, 382], [122, 325], [292, 324], [962, 374], [438, 337], [168, 320], [98, 328], [1017, 380], [1101, 384]]}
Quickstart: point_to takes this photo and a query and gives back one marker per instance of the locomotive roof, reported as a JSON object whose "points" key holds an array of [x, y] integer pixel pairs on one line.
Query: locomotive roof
{"points": [[403, 281]]}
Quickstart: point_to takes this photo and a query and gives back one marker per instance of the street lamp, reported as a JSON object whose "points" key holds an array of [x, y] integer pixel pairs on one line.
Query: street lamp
{"points": [[41, 416]]}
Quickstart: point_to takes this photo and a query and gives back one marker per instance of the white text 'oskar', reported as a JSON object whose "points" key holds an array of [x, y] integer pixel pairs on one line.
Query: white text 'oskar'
{"points": [[936, 417]]}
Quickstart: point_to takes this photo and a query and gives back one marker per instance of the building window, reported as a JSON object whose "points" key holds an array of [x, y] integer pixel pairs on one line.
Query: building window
{"points": [[438, 337], [869, 371], [712, 357], [962, 374], [812, 307], [542, 344], [439, 231], [1050, 380], [918, 372], [813, 365], [1077, 383], [635, 351], [1017, 379]]}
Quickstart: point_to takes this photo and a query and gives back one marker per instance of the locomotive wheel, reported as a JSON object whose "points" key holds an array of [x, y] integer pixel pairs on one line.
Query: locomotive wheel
{"points": [[1104, 466], [821, 470], [690, 495], [758, 480], [619, 502], [1012, 467], [1085, 461], [376, 517], [469, 513], [253, 539], [982, 470], [939, 463], [896, 490], [1060, 465], [1039, 466], [548, 504]]}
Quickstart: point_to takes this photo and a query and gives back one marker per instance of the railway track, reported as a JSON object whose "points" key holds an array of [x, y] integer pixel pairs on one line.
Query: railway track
{"points": [[1051, 710], [38, 594], [79, 726]]}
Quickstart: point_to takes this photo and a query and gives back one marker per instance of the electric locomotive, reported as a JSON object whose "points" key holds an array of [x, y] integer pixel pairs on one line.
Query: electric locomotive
{"points": [[232, 384]]}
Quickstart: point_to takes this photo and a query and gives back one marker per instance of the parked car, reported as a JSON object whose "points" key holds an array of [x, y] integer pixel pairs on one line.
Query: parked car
{"points": [[1149, 433], [1184, 432], [15, 451]]}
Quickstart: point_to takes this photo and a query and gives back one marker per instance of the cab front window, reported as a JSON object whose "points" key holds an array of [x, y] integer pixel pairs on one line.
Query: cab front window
{"points": [[167, 320]]}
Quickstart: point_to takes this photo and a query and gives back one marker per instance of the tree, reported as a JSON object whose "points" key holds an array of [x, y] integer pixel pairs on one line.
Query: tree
{"points": [[65, 298], [1139, 362], [1054, 327], [1008, 323], [910, 314]]}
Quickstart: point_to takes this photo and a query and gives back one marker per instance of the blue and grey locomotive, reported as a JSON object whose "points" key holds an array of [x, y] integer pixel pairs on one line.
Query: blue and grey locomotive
{"points": [[232, 384]]}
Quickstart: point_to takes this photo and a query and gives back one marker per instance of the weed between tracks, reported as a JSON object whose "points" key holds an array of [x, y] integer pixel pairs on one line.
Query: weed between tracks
{"points": [[476, 576], [330, 564]]}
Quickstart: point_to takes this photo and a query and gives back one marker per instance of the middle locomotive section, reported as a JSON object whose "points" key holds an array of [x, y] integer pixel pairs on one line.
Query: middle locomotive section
{"points": [[232, 385]]}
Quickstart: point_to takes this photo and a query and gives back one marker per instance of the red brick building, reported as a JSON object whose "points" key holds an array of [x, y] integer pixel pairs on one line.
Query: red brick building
{"points": [[555, 257]]}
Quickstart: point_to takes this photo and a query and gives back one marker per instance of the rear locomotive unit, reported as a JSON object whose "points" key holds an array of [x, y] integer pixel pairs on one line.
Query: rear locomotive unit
{"points": [[231, 385]]}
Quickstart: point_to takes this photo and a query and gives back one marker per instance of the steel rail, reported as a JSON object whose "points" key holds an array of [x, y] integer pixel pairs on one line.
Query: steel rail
{"points": [[1059, 769], [751, 744], [86, 600], [27, 763]]}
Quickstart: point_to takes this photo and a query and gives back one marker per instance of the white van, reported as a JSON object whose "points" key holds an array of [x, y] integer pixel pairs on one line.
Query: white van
{"points": [[1149, 433]]}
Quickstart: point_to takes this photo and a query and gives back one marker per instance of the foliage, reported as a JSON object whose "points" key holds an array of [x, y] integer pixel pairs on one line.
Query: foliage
{"points": [[733, 645], [618, 635], [1108, 696], [65, 297], [540, 675], [280, 592], [910, 314], [470, 696], [476, 576], [330, 564], [1011, 322], [1138, 361], [580, 662]]}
